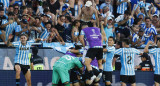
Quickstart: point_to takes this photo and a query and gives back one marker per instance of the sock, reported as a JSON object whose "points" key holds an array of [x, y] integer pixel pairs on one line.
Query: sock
{"points": [[90, 73], [100, 70], [17, 82]]}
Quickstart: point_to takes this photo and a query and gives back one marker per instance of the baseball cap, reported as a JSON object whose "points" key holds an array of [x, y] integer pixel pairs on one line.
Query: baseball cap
{"points": [[155, 15], [109, 18], [145, 55], [64, 7], [88, 4]]}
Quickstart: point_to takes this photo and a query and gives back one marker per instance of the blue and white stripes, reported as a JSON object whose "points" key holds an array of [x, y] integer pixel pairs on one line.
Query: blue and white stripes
{"points": [[122, 7], [127, 56], [156, 55], [22, 52]]}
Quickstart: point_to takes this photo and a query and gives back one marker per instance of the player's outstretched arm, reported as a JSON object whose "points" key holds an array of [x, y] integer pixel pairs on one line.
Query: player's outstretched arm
{"points": [[147, 46]]}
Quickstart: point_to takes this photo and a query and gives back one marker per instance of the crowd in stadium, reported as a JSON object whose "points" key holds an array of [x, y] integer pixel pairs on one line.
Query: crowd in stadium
{"points": [[127, 23]]}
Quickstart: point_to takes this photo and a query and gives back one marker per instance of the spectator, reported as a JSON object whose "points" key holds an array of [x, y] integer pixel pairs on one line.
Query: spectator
{"points": [[54, 36], [36, 60], [46, 32], [150, 32], [123, 22], [23, 28], [138, 39], [107, 3], [146, 64], [75, 31], [156, 22], [53, 5], [9, 24], [123, 5], [16, 9], [68, 29], [11, 8], [87, 13]]}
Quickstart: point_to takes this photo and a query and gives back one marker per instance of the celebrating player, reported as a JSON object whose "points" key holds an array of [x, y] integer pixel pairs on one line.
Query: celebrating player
{"points": [[93, 37], [21, 61], [127, 55], [109, 54], [156, 53]]}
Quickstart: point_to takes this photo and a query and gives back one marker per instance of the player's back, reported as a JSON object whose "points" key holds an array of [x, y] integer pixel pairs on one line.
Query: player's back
{"points": [[127, 56], [68, 62], [156, 55]]}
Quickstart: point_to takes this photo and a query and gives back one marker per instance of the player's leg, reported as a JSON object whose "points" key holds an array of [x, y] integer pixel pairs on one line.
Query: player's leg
{"points": [[133, 84], [28, 77], [124, 79], [26, 71], [107, 77], [76, 84], [55, 77], [96, 84], [18, 72], [132, 80], [91, 54], [123, 84], [156, 80], [64, 75], [99, 57], [74, 81], [156, 83]]}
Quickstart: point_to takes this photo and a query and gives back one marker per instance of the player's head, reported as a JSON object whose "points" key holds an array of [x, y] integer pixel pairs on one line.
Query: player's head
{"points": [[34, 50], [111, 41], [125, 42], [23, 38]]}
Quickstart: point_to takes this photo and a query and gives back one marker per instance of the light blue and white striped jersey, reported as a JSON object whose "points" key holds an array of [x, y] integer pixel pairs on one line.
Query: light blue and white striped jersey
{"points": [[147, 31], [109, 5], [127, 56], [156, 55], [18, 29], [135, 37], [76, 9], [22, 52], [122, 7], [44, 34], [9, 28], [109, 57], [5, 4]]}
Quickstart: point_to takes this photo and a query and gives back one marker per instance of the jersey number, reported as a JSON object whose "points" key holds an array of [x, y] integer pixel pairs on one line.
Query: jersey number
{"points": [[129, 60], [69, 57]]}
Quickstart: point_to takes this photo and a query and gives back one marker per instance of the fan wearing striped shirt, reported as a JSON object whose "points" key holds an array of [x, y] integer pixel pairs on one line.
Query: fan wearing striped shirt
{"points": [[21, 60], [127, 55]]}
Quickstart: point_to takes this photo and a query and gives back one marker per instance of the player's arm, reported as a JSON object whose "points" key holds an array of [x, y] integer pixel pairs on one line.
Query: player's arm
{"points": [[147, 46]]}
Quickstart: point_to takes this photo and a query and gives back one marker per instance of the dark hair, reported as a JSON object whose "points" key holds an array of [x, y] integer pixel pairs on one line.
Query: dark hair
{"points": [[11, 6], [127, 12], [35, 50], [119, 43], [77, 47], [46, 10], [126, 41], [147, 18], [24, 35], [112, 38], [75, 22], [16, 4], [136, 21], [68, 18], [48, 23]]}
